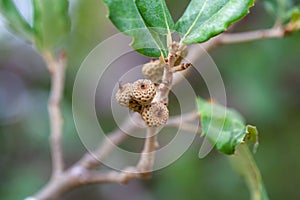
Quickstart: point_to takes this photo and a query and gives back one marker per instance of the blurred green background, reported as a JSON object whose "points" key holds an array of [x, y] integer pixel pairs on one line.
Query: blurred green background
{"points": [[262, 82]]}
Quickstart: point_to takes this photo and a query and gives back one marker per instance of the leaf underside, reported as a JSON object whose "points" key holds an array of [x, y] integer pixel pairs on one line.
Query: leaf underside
{"points": [[156, 15], [204, 19], [14, 20], [223, 127], [51, 23], [245, 165]]}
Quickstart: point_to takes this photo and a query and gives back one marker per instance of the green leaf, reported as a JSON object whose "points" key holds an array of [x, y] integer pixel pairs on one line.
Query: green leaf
{"points": [[223, 127], [51, 23], [245, 165], [293, 20], [14, 20], [155, 13], [226, 129], [133, 18], [251, 137], [278, 8], [204, 19]]}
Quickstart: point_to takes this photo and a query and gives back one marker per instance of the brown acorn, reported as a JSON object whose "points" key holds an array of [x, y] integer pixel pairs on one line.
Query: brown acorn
{"points": [[123, 96], [155, 114], [143, 91]]}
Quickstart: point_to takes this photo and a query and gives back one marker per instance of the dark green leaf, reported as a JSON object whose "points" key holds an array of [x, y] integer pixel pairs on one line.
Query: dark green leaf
{"points": [[51, 23], [224, 127], [125, 15], [15, 22], [204, 19], [245, 165]]}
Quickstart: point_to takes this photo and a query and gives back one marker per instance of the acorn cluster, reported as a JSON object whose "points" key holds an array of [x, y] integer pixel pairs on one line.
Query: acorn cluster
{"points": [[138, 97]]}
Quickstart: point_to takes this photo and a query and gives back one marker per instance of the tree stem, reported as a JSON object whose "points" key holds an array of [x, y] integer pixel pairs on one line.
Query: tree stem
{"points": [[56, 68]]}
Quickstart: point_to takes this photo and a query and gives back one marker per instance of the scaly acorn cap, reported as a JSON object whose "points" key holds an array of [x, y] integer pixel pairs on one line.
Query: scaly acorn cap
{"points": [[143, 91], [123, 96], [155, 114]]}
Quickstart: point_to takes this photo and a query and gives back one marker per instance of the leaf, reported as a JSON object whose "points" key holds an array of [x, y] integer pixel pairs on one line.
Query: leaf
{"points": [[51, 23], [251, 137], [155, 13], [278, 8], [204, 19], [224, 128], [293, 20], [15, 22], [133, 18], [245, 165]]}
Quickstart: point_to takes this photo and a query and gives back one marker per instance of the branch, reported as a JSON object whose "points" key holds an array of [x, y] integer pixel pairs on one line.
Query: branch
{"points": [[231, 38], [141, 170], [56, 68], [181, 121], [92, 177], [197, 51], [146, 161], [92, 160]]}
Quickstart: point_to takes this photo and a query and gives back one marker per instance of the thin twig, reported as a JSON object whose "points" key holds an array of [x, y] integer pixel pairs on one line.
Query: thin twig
{"points": [[92, 160], [142, 170], [56, 68], [187, 127], [197, 51], [232, 38], [92, 177], [181, 122], [187, 117], [146, 161]]}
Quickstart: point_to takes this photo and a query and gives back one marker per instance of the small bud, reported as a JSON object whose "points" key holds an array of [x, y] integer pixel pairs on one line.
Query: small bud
{"points": [[153, 71], [181, 67]]}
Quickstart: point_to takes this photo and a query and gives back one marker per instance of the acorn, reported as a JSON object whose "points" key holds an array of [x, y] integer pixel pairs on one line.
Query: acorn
{"points": [[143, 91], [123, 96], [154, 71], [155, 114]]}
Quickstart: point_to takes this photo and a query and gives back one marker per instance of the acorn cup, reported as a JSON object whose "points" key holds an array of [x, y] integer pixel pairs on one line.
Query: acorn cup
{"points": [[123, 96], [155, 114], [143, 91], [138, 97]]}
